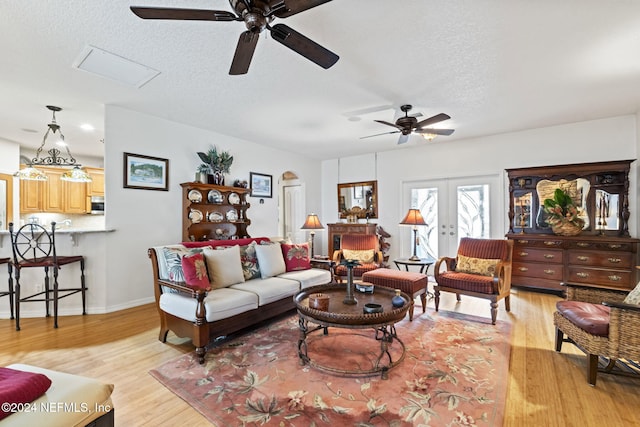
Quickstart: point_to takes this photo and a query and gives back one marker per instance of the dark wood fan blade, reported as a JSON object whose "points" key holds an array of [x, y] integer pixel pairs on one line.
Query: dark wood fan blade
{"points": [[431, 120], [244, 52], [403, 139], [380, 134], [291, 7], [435, 131], [304, 46], [184, 14], [389, 124]]}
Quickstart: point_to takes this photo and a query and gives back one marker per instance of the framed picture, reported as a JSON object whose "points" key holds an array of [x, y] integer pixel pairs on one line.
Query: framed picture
{"points": [[145, 172], [260, 184]]}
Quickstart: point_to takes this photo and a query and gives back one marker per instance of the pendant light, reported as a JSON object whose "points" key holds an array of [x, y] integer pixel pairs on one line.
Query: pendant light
{"points": [[55, 156]]}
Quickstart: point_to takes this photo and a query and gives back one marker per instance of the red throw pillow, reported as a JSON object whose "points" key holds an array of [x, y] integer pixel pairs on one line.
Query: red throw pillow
{"points": [[20, 387], [195, 271], [296, 257]]}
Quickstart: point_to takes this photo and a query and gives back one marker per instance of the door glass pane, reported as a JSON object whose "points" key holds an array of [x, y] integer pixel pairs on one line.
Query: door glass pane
{"points": [[473, 211], [426, 199]]}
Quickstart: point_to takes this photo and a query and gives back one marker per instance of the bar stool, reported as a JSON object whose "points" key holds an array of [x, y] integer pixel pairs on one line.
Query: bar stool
{"points": [[10, 291], [34, 246]]}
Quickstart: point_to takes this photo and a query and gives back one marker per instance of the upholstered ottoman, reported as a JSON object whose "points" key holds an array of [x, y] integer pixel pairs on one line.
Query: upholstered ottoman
{"points": [[411, 283]]}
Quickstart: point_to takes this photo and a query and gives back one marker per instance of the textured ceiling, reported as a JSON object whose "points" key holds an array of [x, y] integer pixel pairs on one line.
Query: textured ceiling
{"points": [[493, 66]]}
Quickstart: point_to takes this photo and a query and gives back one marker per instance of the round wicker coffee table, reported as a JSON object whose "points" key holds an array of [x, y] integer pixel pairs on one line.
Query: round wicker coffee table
{"points": [[340, 315]]}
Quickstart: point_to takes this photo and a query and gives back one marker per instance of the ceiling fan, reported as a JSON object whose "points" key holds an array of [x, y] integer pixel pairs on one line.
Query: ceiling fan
{"points": [[257, 16], [407, 125]]}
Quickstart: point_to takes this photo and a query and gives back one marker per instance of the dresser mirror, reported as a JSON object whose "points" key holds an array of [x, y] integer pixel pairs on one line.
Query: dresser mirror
{"points": [[599, 190], [359, 199]]}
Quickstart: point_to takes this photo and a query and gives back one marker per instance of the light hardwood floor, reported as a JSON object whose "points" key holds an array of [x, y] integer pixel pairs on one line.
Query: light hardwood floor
{"points": [[545, 387]]}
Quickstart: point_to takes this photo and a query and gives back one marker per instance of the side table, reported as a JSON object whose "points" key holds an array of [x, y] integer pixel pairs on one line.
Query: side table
{"points": [[325, 263], [422, 263]]}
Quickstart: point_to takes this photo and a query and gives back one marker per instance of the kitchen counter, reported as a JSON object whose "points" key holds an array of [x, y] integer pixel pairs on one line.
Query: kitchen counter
{"points": [[71, 232]]}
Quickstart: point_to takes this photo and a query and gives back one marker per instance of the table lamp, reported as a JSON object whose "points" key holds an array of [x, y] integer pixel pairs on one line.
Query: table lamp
{"points": [[414, 218], [312, 223]]}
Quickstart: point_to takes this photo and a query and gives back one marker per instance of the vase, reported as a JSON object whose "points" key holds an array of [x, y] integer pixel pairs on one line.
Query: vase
{"points": [[350, 299], [397, 301], [567, 228], [216, 178]]}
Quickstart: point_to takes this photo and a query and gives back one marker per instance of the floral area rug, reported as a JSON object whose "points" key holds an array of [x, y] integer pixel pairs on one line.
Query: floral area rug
{"points": [[454, 372]]}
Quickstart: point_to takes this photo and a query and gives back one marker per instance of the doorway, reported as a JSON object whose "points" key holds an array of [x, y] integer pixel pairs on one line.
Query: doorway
{"points": [[454, 208], [293, 209]]}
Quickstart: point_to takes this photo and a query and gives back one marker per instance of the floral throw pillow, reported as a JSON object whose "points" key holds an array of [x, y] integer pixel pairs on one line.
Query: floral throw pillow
{"points": [[296, 257], [634, 296], [482, 266], [173, 259], [249, 260], [195, 271]]}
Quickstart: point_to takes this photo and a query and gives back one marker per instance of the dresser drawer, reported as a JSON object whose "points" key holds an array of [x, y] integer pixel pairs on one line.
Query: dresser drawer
{"points": [[544, 243], [527, 254], [602, 246], [541, 270], [616, 278], [601, 259]]}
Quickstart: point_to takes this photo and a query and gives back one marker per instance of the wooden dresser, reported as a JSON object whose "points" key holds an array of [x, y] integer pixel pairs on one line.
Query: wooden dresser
{"points": [[338, 229], [544, 261]]}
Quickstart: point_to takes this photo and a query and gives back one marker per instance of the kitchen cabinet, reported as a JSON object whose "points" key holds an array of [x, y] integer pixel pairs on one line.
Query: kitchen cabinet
{"points": [[54, 195], [96, 186]]}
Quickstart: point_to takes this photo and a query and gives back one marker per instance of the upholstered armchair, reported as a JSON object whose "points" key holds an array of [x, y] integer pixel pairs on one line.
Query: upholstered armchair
{"points": [[363, 247], [599, 323], [482, 269]]}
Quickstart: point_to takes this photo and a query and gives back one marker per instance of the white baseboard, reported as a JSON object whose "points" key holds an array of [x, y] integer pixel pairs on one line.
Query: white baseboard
{"points": [[37, 310]]}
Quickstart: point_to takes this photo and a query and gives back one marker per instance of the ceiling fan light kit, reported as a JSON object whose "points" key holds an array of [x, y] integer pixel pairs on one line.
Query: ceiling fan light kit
{"points": [[257, 16], [407, 125]]}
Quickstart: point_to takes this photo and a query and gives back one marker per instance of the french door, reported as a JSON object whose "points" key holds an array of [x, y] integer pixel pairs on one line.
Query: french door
{"points": [[454, 208]]}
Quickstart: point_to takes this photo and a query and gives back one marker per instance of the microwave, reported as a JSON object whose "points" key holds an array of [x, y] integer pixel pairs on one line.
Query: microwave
{"points": [[97, 205]]}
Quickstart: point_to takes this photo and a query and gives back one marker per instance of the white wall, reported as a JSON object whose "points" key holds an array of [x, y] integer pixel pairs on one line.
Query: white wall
{"points": [[592, 141], [144, 218]]}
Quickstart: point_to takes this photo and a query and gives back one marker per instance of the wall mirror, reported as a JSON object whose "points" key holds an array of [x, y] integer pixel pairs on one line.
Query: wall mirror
{"points": [[6, 200], [358, 199]]}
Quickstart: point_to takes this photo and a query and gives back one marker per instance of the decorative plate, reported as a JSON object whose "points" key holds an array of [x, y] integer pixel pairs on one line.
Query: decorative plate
{"points": [[214, 196], [195, 216], [215, 216], [232, 215], [234, 199], [195, 196]]}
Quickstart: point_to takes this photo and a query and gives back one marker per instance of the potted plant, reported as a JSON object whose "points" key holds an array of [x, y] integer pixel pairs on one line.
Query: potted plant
{"points": [[217, 163], [562, 214]]}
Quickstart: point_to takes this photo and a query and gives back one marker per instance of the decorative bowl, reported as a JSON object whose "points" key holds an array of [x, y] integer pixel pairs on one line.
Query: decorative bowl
{"points": [[370, 308]]}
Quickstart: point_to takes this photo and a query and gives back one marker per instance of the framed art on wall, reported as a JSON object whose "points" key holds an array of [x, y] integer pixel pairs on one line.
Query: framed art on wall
{"points": [[261, 184], [145, 172]]}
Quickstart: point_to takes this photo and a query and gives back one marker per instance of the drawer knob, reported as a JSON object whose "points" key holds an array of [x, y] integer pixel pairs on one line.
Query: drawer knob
{"points": [[549, 271], [523, 254], [584, 244], [583, 258], [614, 246], [615, 260], [550, 243], [523, 242], [523, 269], [549, 256], [582, 275], [615, 278]]}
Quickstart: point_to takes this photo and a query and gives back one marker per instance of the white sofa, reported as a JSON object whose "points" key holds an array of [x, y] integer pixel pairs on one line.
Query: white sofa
{"points": [[236, 300]]}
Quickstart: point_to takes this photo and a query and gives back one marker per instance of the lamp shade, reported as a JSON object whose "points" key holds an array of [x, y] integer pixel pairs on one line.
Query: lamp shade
{"points": [[76, 175], [413, 217], [31, 173], [312, 223]]}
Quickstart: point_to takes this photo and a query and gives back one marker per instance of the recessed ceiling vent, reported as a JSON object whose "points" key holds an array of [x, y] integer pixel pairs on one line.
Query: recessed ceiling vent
{"points": [[114, 67]]}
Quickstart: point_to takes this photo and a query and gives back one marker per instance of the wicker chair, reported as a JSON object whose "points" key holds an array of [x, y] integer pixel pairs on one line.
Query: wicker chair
{"points": [[493, 287], [600, 324], [357, 242]]}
